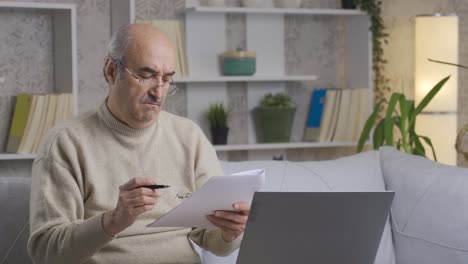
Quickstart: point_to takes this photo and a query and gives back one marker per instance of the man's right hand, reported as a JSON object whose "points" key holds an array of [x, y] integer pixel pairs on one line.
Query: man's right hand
{"points": [[133, 201]]}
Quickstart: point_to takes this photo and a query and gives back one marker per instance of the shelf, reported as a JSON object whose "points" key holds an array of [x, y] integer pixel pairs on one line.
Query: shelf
{"points": [[45, 6], [246, 79], [290, 145], [285, 11], [64, 59], [17, 156]]}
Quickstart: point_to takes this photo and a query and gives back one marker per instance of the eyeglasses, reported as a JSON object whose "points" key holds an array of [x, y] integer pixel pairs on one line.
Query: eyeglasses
{"points": [[167, 83]]}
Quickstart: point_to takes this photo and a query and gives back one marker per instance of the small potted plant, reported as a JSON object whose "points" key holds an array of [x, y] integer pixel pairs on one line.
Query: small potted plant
{"points": [[217, 116], [274, 118]]}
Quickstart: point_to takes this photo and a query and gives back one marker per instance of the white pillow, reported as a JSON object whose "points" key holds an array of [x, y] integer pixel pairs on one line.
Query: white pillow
{"points": [[430, 208]]}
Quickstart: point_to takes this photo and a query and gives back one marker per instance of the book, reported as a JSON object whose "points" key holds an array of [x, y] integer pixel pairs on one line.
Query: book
{"points": [[343, 117], [334, 120], [59, 109], [71, 107], [182, 49], [41, 125], [27, 129], [329, 107], [36, 115], [317, 101], [51, 111], [364, 111], [353, 115], [18, 122]]}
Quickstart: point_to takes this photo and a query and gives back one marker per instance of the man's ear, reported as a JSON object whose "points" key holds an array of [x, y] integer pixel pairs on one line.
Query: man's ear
{"points": [[110, 71]]}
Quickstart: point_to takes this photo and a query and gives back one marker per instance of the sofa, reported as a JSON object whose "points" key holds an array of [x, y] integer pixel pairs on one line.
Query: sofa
{"points": [[428, 222]]}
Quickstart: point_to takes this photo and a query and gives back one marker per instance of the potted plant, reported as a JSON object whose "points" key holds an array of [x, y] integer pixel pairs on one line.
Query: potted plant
{"points": [[217, 116], [403, 118], [274, 118]]}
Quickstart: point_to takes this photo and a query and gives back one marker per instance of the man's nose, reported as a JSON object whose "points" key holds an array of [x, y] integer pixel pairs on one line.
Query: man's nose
{"points": [[157, 90], [158, 87]]}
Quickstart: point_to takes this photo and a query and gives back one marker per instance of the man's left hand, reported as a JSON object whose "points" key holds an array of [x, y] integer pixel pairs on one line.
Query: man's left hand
{"points": [[232, 223]]}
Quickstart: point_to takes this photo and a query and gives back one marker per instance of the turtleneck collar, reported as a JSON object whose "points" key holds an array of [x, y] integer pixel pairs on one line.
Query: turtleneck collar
{"points": [[113, 123]]}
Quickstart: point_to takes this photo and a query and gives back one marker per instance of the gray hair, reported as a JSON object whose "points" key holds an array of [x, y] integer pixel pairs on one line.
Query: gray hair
{"points": [[117, 49]]}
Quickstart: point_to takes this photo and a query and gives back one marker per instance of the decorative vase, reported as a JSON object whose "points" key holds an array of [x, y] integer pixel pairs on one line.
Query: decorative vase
{"points": [[219, 135], [348, 4], [273, 124]]}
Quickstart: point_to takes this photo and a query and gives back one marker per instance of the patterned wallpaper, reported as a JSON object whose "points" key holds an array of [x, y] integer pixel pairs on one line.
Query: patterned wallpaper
{"points": [[311, 44]]}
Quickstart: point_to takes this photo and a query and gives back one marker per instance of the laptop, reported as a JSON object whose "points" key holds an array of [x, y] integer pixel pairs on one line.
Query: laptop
{"points": [[315, 227]]}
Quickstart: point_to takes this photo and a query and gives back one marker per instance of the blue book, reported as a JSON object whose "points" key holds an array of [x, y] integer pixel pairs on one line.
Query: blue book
{"points": [[314, 118]]}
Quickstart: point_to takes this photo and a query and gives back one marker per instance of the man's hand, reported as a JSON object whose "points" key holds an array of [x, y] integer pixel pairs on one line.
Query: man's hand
{"points": [[133, 201], [232, 223]]}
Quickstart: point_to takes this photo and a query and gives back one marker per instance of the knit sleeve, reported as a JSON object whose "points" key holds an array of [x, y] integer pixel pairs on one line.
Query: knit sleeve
{"points": [[59, 231], [207, 165]]}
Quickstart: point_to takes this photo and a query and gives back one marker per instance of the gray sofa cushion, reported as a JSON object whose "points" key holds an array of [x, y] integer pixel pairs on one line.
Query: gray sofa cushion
{"points": [[430, 209], [14, 197], [359, 172]]}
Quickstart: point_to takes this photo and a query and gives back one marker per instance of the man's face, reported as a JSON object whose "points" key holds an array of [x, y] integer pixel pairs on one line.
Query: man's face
{"points": [[150, 60]]}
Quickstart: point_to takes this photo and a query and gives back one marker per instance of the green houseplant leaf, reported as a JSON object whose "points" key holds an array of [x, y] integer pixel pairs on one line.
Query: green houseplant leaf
{"points": [[278, 100], [400, 116], [217, 115]]}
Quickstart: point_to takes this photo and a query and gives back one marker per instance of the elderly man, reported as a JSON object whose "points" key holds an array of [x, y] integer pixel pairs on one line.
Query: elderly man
{"points": [[88, 203]]}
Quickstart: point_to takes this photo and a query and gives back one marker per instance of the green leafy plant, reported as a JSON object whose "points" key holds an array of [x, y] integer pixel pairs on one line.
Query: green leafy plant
{"points": [[379, 37], [217, 115], [278, 100], [401, 114]]}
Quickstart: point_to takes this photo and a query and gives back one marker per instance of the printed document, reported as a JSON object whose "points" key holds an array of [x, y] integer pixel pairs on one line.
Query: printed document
{"points": [[218, 193]]}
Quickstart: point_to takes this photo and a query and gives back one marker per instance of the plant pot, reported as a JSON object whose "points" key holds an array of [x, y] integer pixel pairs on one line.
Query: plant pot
{"points": [[273, 124], [219, 135], [348, 4]]}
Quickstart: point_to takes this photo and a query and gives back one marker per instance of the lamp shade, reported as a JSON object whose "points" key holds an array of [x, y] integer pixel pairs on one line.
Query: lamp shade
{"points": [[437, 39]]}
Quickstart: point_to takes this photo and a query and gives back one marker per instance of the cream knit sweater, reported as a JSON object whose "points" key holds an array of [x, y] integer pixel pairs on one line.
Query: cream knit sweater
{"points": [[76, 178]]}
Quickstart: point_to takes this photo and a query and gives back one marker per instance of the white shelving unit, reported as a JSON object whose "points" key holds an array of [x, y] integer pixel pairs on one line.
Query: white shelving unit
{"points": [[283, 11], [206, 40], [265, 78], [290, 145], [64, 51]]}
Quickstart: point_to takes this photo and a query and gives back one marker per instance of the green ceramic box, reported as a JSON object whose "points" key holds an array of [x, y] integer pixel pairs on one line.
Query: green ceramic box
{"points": [[239, 63]]}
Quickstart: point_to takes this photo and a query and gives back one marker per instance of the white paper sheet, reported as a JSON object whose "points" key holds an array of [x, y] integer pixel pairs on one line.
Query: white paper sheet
{"points": [[218, 193]]}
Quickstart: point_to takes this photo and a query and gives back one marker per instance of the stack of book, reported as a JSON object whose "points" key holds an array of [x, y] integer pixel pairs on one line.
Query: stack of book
{"points": [[174, 30], [33, 116], [337, 115]]}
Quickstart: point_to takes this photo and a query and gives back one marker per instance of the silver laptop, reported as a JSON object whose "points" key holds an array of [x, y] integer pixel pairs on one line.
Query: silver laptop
{"points": [[315, 227]]}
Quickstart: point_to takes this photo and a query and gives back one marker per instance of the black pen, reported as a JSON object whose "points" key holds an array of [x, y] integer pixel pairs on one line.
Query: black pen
{"points": [[155, 186]]}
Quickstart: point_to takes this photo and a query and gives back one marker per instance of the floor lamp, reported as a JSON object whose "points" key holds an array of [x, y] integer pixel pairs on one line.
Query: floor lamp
{"points": [[436, 39]]}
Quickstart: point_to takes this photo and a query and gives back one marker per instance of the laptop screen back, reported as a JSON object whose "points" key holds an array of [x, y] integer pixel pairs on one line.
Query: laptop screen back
{"points": [[315, 227]]}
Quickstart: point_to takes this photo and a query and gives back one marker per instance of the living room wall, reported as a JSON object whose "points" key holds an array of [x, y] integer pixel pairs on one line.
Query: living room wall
{"points": [[310, 43], [399, 19]]}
